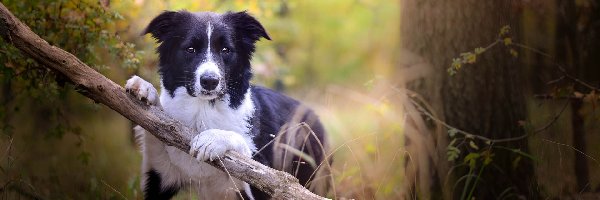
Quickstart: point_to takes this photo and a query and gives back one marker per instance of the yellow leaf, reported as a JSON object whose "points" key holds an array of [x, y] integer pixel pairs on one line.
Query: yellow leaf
{"points": [[456, 63], [504, 30], [507, 41], [479, 50], [514, 53], [471, 58]]}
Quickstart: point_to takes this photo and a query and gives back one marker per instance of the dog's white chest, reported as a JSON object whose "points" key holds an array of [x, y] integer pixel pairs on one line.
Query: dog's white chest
{"points": [[202, 115]]}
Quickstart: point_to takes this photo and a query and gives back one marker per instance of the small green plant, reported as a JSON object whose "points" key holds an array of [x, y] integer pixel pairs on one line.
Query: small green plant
{"points": [[479, 157], [479, 150], [84, 28], [28, 90], [470, 57]]}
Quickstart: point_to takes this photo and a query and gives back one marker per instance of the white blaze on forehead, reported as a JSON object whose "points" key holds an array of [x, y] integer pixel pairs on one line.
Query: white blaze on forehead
{"points": [[209, 30], [208, 65]]}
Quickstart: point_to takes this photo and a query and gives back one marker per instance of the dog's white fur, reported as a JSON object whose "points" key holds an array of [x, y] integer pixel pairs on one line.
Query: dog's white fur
{"points": [[219, 130], [142, 89]]}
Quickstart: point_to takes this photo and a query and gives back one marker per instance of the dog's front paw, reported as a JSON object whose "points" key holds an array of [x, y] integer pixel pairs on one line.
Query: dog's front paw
{"points": [[213, 143], [142, 90]]}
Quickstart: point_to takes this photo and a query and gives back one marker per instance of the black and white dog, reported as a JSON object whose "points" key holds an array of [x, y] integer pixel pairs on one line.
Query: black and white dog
{"points": [[204, 61]]}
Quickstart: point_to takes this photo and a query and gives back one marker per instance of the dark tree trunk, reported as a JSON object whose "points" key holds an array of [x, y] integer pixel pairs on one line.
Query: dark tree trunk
{"points": [[581, 166], [589, 71], [577, 48], [485, 98]]}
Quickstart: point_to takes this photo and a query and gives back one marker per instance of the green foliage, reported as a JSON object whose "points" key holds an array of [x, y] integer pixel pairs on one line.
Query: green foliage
{"points": [[471, 56], [311, 44], [453, 152], [37, 103], [80, 27], [480, 156], [309, 48]]}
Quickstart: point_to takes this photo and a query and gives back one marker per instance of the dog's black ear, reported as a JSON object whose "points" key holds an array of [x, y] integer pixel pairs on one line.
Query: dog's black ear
{"points": [[246, 26], [164, 24]]}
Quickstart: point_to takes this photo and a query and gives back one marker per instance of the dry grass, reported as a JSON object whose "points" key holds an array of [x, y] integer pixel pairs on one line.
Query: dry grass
{"points": [[367, 142]]}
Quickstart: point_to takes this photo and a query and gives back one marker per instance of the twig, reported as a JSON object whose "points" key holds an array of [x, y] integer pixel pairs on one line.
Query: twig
{"points": [[568, 97], [471, 135], [237, 190], [558, 66], [113, 189], [554, 119], [465, 133], [14, 184], [574, 149], [555, 80]]}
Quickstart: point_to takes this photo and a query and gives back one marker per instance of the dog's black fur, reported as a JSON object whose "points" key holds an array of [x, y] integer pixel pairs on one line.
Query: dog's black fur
{"points": [[233, 39]]}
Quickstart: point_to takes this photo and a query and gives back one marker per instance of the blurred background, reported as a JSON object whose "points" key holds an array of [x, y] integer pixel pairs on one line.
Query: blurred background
{"points": [[421, 99]]}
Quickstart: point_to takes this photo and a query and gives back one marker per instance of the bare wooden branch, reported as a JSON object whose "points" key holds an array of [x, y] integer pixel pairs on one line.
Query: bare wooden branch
{"points": [[585, 97], [278, 184]]}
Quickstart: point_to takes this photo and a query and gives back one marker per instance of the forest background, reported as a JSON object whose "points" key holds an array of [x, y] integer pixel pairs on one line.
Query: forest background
{"points": [[421, 99]]}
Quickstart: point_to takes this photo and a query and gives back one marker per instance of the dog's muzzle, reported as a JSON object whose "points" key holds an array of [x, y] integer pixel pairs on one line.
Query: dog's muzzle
{"points": [[209, 81]]}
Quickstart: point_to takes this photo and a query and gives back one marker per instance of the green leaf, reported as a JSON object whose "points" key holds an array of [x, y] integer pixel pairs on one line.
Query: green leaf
{"points": [[452, 143], [473, 145], [479, 50], [457, 63], [451, 71], [516, 162], [452, 132], [518, 151], [452, 151], [504, 30], [452, 154], [514, 53], [487, 160], [507, 41], [471, 58], [84, 157], [471, 159]]}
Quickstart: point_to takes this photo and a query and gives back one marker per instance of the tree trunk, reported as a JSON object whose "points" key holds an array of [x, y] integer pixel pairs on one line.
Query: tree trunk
{"points": [[485, 98], [577, 48]]}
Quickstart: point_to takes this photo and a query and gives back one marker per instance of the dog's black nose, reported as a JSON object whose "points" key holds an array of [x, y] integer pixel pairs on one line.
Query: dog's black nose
{"points": [[209, 81]]}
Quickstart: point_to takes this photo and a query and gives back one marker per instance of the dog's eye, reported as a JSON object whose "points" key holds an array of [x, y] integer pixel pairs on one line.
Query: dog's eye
{"points": [[190, 50], [225, 50]]}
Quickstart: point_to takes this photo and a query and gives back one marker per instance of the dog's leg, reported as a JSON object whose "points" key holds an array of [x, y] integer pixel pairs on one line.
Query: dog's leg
{"points": [[142, 90], [213, 143], [159, 177], [154, 188], [156, 171]]}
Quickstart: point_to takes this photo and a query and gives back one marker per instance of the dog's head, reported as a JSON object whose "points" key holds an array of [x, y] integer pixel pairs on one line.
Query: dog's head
{"points": [[206, 53]]}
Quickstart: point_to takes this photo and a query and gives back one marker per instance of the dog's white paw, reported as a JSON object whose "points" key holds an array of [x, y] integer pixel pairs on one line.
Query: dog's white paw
{"points": [[142, 90], [213, 143]]}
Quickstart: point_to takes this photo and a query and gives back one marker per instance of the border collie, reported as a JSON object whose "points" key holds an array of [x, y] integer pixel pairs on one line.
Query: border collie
{"points": [[204, 67]]}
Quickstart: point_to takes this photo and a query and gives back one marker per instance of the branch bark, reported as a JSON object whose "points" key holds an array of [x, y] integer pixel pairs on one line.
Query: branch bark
{"points": [[278, 184]]}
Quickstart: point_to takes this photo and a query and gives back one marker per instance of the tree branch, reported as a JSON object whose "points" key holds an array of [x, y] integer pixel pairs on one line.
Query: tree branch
{"points": [[278, 184]]}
